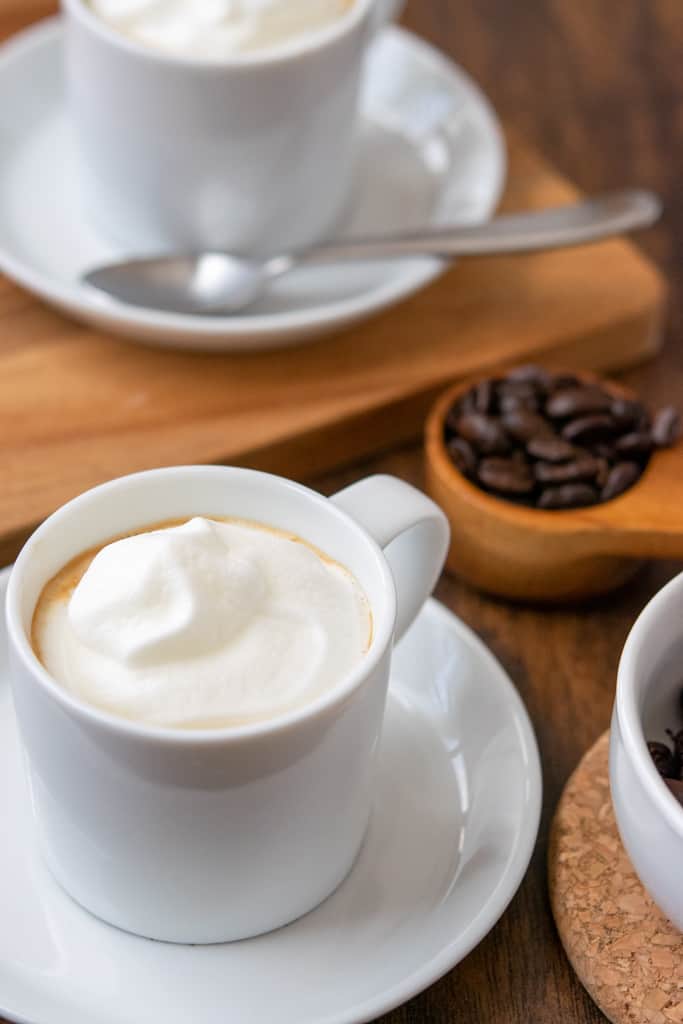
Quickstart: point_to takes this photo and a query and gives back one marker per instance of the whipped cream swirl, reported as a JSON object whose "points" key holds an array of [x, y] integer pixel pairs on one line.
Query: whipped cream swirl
{"points": [[215, 29], [208, 624]]}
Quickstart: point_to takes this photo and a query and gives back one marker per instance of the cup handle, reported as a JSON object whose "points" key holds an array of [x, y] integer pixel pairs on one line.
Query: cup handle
{"points": [[412, 531], [387, 11]]}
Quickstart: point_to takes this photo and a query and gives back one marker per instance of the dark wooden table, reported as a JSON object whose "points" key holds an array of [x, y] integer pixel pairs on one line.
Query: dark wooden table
{"points": [[599, 88]]}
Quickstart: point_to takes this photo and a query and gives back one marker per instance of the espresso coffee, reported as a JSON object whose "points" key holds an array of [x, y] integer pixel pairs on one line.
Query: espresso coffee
{"points": [[218, 29], [202, 623]]}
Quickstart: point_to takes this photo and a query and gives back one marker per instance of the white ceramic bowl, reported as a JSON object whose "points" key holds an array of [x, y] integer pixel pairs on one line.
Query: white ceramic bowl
{"points": [[650, 679]]}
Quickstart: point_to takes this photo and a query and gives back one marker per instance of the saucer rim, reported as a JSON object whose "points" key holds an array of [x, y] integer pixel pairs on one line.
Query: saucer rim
{"points": [[511, 875], [245, 332]]}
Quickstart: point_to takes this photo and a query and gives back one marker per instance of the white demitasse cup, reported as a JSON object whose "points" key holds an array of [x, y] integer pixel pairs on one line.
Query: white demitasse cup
{"points": [[215, 835], [253, 153], [649, 817]]}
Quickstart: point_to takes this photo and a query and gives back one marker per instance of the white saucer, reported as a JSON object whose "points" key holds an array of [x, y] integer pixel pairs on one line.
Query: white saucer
{"points": [[456, 818], [432, 153]]}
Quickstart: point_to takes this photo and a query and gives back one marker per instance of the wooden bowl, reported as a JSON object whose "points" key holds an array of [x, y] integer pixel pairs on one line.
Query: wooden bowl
{"points": [[535, 555]]}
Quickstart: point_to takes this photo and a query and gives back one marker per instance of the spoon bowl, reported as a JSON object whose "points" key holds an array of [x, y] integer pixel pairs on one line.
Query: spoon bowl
{"points": [[530, 554], [209, 282], [213, 283]]}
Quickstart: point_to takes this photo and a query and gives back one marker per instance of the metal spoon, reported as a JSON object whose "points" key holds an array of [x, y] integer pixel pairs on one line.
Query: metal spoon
{"points": [[221, 282]]}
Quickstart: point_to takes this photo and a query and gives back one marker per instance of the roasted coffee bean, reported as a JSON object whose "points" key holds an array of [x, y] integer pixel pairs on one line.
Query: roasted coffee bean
{"points": [[553, 441], [627, 414], [483, 432], [531, 374], [669, 763], [620, 478], [605, 450], [577, 402], [602, 474], [464, 405], [639, 443], [523, 425], [551, 449], [462, 455], [510, 403], [483, 396], [666, 427], [507, 476], [677, 740], [568, 496], [469, 402], [585, 468], [676, 787], [589, 429], [664, 759], [518, 394]]}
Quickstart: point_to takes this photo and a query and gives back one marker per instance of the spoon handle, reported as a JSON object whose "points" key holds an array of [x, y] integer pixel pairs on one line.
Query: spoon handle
{"points": [[645, 522], [574, 224]]}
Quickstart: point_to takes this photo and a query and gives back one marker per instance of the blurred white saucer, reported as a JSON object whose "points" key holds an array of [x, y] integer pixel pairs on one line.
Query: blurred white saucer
{"points": [[431, 153]]}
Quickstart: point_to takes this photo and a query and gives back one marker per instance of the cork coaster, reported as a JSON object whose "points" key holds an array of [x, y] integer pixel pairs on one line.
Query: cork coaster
{"points": [[626, 953]]}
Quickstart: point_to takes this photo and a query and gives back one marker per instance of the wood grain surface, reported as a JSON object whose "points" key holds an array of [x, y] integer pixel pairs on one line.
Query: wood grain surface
{"points": [[78, 407], [599, 88]]}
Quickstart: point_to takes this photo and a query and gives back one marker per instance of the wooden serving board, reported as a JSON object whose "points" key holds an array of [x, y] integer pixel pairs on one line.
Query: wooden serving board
{"points": [[626, 953], [78, 407]]}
